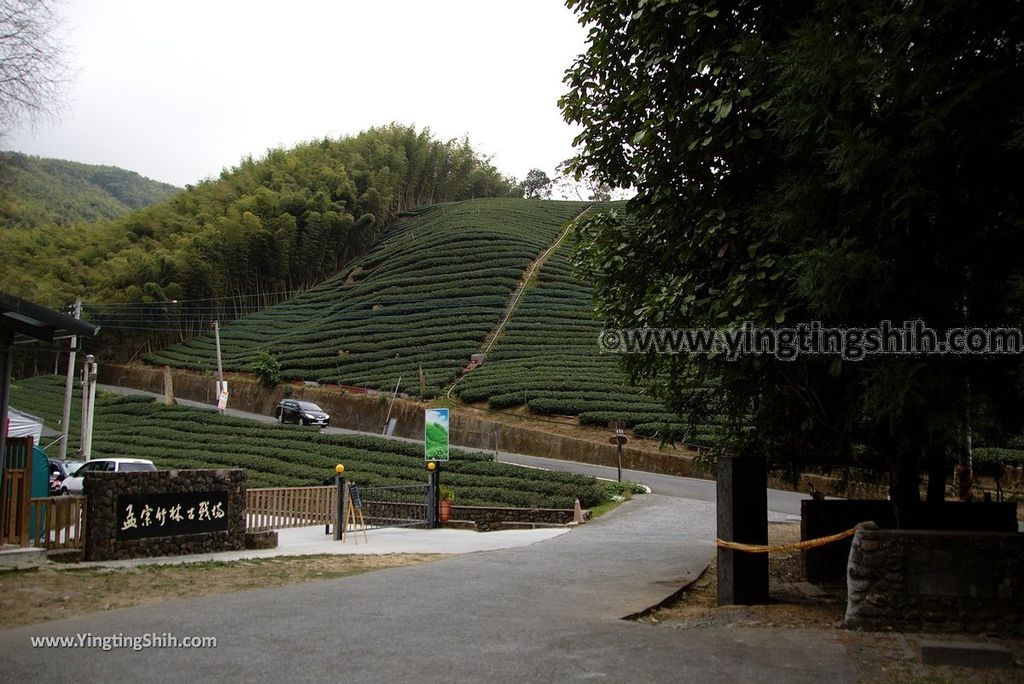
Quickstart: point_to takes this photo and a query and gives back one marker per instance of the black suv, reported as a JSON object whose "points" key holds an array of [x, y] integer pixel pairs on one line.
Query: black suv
{"points": [[301, 412]]}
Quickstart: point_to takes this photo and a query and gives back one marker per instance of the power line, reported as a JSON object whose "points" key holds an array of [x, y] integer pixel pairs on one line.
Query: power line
{"points": [[147, 328], [159, 309], [207, 299], [144, 306]]}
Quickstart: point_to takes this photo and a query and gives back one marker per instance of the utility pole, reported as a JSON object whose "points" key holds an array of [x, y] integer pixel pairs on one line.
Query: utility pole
{"points": [[220, 368], [387, 419], [6, 368], [88, 404], [619, 440], [69, 383]]}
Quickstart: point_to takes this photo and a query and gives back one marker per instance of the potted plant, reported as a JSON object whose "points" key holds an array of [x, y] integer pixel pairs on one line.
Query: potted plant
{"points": [[447, 497]]}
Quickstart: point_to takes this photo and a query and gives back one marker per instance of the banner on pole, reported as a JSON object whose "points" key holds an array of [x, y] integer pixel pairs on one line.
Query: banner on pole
{"points": [[222, 395], [435, 435]]}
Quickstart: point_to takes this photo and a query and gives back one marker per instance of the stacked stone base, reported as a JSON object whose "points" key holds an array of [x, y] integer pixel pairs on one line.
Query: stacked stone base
{"points": [[264, 539], [102, 541], [914, 580]]}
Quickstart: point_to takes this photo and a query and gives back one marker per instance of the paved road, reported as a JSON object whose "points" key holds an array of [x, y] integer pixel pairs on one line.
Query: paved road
{"points": [[550, 612], [782, 505]]}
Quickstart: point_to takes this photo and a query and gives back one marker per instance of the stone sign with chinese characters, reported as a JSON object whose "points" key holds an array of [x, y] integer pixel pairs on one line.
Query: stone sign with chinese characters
{"points": [[164, 515]]}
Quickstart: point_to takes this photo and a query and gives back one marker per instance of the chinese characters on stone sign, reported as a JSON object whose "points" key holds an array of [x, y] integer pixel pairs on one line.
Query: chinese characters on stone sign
{"points": [[159, 515], [175, 515]]}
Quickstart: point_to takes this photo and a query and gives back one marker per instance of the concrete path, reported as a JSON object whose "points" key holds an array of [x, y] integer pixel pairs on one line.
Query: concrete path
{"points": [[311, 541], [548, 612]]}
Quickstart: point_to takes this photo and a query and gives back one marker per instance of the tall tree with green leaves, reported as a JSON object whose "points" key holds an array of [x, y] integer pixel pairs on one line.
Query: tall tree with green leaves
{"points": [[846, 162], [537, 185], [263, 228]]}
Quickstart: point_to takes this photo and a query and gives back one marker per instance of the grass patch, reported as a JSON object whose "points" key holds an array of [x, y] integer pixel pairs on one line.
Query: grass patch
{"points": [[56, 592], [615, 494]]}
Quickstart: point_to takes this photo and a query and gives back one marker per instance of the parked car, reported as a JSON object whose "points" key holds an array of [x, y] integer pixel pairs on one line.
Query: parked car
{"points": [[73, 483], [301, 412], [59, 471]]}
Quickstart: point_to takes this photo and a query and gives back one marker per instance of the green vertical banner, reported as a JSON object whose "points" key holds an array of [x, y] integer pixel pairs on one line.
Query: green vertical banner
{"points": [[435, 435]]}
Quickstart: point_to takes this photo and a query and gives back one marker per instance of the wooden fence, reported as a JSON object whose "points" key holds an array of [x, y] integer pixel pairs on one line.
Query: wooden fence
{"points": [[59, 522], [275, 508], [15, 491]]}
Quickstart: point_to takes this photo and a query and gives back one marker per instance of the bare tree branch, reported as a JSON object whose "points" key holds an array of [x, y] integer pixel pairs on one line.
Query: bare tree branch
{"points": [[33, 73]]}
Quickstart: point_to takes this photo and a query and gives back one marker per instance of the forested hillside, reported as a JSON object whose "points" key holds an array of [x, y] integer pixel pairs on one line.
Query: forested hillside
{"points": [[268, 226], [425, 298], [38, 192]]}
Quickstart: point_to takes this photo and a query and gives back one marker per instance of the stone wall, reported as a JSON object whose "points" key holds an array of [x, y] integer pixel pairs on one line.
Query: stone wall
{"points": [[486, 519], [931, 581], [150, 527], [261, 539], [826, 565]]}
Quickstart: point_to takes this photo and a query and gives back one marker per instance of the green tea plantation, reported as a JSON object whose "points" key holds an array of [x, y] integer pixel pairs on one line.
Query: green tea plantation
{"points": [[424, 298], [548, 359], [281, 456]]}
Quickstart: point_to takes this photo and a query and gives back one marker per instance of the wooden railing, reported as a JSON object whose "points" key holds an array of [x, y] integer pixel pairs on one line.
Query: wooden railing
{"points": [[276, 508], [59, 522]]}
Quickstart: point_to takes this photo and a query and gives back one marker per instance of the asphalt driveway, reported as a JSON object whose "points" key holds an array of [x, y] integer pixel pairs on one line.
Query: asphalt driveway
{"points": [[549, 612]]}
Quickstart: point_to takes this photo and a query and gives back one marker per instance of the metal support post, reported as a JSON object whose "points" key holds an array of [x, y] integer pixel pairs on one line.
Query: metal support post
{"points": [[339, 513]]}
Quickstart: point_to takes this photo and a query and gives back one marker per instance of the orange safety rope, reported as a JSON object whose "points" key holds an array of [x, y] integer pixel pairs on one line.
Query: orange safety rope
{"points": [[782, 548]]}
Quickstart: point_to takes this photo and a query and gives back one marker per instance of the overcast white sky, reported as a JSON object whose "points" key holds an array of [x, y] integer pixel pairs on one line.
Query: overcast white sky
{"points": [[179, 90]]}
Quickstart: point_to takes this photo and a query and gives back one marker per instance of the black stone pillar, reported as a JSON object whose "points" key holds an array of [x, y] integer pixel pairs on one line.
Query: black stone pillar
{"points": [[742, 517]]}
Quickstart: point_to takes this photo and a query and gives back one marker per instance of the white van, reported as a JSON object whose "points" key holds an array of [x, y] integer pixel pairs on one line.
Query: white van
{"points": [[73, 483]]}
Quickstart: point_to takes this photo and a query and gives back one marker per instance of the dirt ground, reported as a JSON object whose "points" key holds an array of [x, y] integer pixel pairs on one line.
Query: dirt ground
{"points": [[796, 604], [56, 591], [879, 656]]}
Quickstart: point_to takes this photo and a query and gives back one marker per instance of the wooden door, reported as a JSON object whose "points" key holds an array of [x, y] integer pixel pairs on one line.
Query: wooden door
{"points": [[16, 491]]}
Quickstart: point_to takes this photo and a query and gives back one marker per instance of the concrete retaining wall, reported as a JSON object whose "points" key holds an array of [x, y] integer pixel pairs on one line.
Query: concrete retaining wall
{"points": [[936, 581]]}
